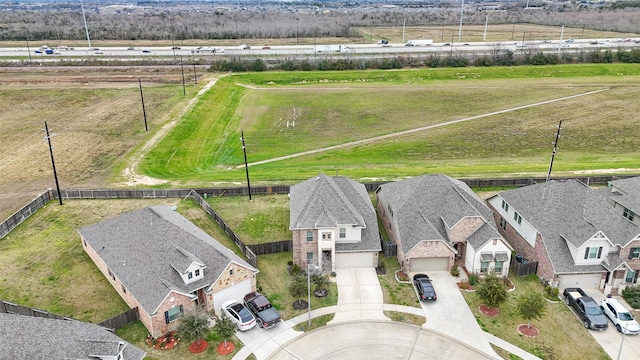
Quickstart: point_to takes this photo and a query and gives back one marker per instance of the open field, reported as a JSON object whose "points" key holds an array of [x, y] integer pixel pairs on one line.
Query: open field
{"points": [[286, 113]]}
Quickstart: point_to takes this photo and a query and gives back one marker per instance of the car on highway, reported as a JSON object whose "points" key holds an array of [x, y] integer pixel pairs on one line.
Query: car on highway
{"points": [[131, 48], [620, 316], [99, 52], [146, 51], [239, 315], [176, 48], [424, 287], [266, 47], [446, 44], [38, 51]]}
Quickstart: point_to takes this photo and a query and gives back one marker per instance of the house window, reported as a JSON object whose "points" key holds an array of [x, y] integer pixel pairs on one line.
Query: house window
{"points": [[309, 235], [484, 266], [124, 289], [517, 217], [231, 272], [197, 272], [343, 233], [593, 252], [326, 236], [630, 276], [505, 206], [172, 314], [309, 258], [390, 210], [498, 268], [190, 275], [628, 214], [634, 253], [503, 223]]}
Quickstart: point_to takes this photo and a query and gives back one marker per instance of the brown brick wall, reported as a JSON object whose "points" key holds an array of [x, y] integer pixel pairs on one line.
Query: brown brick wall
{"points": [[301, 246], [159, 326], [460, 231], [429, 249], [624, 255], [382, 214]]}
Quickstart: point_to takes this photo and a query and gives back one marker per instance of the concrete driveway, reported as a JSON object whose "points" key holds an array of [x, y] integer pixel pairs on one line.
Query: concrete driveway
{"points": [[263, 342], [611, 339], [359, 296], [451, 315]]}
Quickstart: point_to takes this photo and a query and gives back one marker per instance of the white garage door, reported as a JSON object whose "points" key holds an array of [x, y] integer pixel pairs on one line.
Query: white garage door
{"points": [[585, 281], [236, 292], [355, 260], [429, 264]]}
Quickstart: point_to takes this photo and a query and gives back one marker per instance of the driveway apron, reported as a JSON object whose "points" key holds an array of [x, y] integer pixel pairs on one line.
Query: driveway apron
{"points": [[359, 296]]}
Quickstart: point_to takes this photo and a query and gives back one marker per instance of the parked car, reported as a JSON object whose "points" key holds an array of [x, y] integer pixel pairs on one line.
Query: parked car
{"points": [[261, 308], [423, 284], [239, 314], [586, 309], [620, 316]]}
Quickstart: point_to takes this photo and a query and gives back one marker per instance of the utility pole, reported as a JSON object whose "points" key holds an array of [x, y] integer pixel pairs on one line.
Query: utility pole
{"points": [[195, 75], [86, 28], [486, 21], [246, 165], [144, 112], [53, 163], [184, 90], [460, 29], [555, 148], [29, 50]]}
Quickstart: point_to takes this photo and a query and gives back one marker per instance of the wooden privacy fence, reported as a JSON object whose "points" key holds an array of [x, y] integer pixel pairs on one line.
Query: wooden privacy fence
{"points": [[523, 269], [121, 320], [21, 215], [11, 308], [271, 247]]}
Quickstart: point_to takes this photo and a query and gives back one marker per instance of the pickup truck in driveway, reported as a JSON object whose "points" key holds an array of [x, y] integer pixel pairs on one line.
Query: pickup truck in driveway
{"points": [[260, 306], [586, 309]]}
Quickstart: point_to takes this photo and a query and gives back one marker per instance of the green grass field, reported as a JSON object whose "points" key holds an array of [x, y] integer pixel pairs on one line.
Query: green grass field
{"points": [[287, 113]]}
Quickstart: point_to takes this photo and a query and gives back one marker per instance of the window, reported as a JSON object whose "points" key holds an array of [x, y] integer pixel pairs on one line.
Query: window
{"points": [[326, 236], [505, 206], [231, 272], [498, 268], [309, 258], [628, 214], [634, 253], [390, 210], [503, 223], [630, 276], [197, 272], [593, 252], [309, 235], [484, 266], [124, 289], [172, 314], [343, 233], [190, 275], [517, 217]]}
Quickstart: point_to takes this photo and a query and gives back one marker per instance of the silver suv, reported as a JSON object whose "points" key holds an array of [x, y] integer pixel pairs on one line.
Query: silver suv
{"points": [[620, 316]]}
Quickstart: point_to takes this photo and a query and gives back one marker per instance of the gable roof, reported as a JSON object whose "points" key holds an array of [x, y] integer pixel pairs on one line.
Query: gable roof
{"points": [[424, 204], [625, 192], [142, 247], [568, 211], [330, 201], [29, 337]]}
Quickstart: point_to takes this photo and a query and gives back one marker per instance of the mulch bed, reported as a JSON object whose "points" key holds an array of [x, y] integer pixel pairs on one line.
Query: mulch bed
{"points": [[194, 348], [222, 350], [527, 331], [485, 310], [164, 342]]}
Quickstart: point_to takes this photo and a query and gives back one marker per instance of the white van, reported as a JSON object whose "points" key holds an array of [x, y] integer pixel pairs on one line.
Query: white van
{"points": [[620, 316]]}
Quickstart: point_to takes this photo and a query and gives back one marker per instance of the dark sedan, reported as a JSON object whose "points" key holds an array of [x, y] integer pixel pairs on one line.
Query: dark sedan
{"points": [[423, 284]]}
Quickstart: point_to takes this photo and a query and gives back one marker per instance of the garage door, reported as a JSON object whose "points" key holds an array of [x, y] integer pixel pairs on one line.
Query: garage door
{"points": [[585, 281], [355, 260], [429, 264], [236, 292]]}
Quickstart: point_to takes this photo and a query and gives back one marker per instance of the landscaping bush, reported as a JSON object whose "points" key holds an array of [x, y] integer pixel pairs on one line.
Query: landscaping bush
{"points": [[473, 279], [492, 291], [632, 295], [455, 271]]}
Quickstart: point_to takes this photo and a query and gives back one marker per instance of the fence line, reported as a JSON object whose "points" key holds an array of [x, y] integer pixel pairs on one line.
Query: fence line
{"points": [[11, 308], [121, 320], [271, 247], [21, 215]]}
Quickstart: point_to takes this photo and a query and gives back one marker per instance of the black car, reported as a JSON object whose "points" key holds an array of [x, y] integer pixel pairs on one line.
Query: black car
{"points": [[261, 308], [423, 284]]}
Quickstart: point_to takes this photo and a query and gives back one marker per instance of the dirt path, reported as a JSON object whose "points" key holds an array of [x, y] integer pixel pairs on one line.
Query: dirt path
{"points": [[130, 173], [406, 132]]}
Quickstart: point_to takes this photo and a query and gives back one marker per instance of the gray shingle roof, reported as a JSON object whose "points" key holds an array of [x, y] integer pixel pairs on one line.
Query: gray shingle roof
{"points": [[32, 338], [329, 201], [424, 204], [569, 210], [140, 247], [627, 193]]}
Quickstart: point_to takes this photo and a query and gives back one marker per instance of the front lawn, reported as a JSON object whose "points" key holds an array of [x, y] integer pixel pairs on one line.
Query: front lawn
{"points": [[394, 292], [562, 336]]}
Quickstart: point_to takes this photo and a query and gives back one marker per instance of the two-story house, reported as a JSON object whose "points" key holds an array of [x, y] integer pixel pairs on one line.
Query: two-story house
{"points": [[624, 196], [333, 224], [435, 219], [575, 235], [161, 263]]}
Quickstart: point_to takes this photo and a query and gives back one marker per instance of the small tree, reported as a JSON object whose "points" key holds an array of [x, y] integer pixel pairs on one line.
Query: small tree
{"points": [[297, 289], [531, 306], [225, 328], [194, 326], [492, 291]]}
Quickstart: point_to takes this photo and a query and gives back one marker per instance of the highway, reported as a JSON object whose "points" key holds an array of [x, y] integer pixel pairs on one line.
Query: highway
{"points": [[478, 48]]}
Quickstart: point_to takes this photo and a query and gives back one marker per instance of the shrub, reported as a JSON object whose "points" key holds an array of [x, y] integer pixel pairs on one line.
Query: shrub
{"points": [[492, 291], [551, 291], [632, 295], [455, 271], [295, 270], [473, 279]]}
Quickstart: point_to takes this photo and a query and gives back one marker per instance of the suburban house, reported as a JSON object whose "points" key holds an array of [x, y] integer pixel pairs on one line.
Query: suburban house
{"points": [[436, 221], [30, 337], [333, 224], [575, 235], [624, 196], [164, 265]]}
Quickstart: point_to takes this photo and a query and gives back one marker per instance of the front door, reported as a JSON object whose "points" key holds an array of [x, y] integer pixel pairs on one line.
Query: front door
{"points": [[326, 261]]}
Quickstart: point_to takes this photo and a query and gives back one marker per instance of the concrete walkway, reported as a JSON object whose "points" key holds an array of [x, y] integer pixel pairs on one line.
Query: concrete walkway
{"points": [[359, 296]]}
